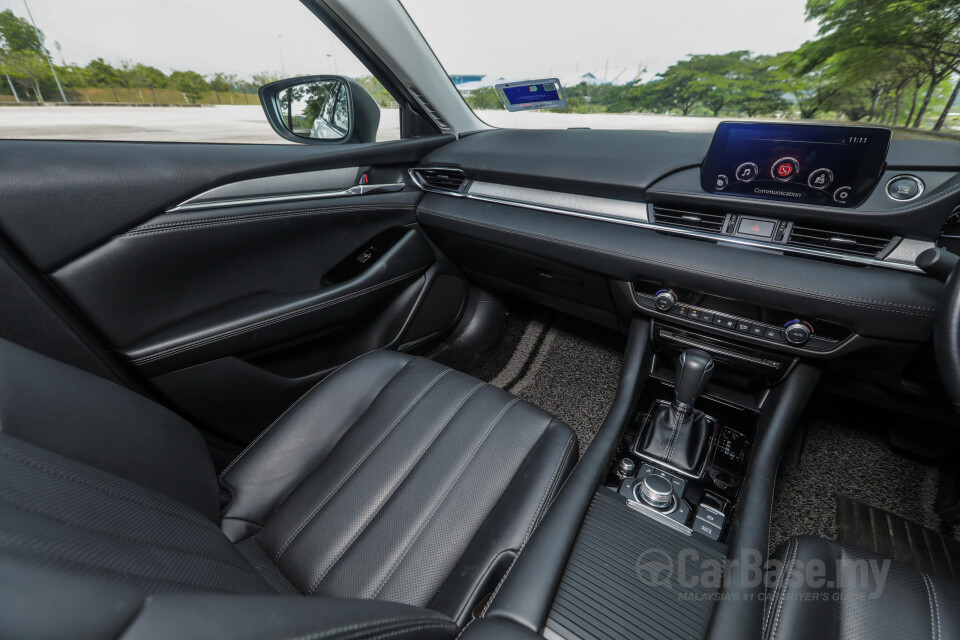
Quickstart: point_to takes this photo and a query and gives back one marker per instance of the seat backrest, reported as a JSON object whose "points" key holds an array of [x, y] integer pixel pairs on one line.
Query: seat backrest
{"points": [[101, 424]]}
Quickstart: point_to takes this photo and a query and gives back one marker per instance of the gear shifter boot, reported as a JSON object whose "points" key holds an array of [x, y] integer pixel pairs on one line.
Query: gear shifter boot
{"points": [[678, 434], [678, 438]]}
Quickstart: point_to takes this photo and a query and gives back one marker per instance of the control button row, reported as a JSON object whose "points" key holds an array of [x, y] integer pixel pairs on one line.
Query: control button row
{"points": [[741, 325]]}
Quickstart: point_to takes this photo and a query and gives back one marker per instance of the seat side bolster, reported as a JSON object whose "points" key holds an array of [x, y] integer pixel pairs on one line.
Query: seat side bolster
{"points": [[278, 617], [803, 603], [287, 451], [511, 522]]}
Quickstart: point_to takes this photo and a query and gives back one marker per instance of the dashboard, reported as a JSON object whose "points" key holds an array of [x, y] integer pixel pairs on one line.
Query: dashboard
{"points": [[602, 223]]}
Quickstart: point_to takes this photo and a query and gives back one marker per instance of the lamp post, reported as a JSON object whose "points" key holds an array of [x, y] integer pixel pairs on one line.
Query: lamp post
{"points": [[45, 53]]}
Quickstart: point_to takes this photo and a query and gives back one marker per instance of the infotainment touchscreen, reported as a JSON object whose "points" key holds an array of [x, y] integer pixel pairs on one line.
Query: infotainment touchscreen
{"points": [[810, 164]]}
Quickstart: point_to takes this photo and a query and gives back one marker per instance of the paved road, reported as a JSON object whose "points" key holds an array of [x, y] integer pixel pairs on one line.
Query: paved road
{"points": [[229, 123]]}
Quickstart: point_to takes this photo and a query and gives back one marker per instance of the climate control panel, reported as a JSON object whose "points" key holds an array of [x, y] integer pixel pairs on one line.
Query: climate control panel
{"points": [[795, 332]]}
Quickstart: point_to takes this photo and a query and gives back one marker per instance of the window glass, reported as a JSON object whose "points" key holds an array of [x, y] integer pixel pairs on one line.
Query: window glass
{"points": [[196, 64], [686, 65]]}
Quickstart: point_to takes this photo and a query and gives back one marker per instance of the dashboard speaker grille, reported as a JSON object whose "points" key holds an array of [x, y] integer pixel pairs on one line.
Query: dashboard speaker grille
{"points": [[838, 241], [452, 180], [711, 222]]}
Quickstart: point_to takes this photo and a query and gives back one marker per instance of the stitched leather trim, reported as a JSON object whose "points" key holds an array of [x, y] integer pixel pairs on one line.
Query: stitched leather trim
{"points": [[450, 487], [396, 626], [934, 607], [159, 355], [396, 488], [783, 593], [880, 305], [370, 450]]}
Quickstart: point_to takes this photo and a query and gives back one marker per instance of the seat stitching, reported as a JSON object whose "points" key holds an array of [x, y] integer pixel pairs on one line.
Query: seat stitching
{"points": [[356, 466], [6, 498], [388, 497], [934, 607], [365, 626], [189, 517], [443, 498], [783, 594], [544, 503], [526, 537], [266, 322], [297, 401], [768, 614], [946, 552], [881, 305], [674, 434], [255, 217], [382, 636]]}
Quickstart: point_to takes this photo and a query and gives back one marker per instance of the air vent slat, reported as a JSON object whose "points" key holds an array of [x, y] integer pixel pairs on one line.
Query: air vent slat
{"points": [[452, 180], [837, 241], [429, 108], [710, 222]]}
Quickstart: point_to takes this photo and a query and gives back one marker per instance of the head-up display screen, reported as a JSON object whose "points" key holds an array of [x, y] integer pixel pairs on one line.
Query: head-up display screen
{"points": [[807, 164]]}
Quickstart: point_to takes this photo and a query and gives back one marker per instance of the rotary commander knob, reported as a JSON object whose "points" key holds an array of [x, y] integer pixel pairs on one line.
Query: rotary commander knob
{"points": [[665, 300]]}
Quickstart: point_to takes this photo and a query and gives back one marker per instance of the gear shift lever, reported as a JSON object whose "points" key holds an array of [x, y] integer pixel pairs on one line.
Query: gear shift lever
{"points": [[677, 434], [694, 370]]}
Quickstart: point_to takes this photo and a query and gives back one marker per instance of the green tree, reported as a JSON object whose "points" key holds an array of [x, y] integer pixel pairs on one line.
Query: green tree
{"points": [[190, 83], [17, 34], [103, 74], [28, 65], [142, 75], [222, 83], [484, 98]]}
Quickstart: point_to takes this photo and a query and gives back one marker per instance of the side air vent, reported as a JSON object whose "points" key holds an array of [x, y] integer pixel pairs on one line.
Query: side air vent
{"points": [[451, 180], [838, 241], [429, 108], [711, 222]]}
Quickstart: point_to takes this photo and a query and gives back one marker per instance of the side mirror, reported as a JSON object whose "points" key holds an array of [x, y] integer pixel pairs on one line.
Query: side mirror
{"points": [[321, 110]]}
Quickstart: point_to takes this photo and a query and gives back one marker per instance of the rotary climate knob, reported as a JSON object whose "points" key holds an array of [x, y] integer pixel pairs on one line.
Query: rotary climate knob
{"points": [[656, 491], [797, 332], [665, 300]]}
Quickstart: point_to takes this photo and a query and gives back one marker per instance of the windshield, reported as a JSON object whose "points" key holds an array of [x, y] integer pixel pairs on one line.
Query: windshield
{"points": [[687, 64]]}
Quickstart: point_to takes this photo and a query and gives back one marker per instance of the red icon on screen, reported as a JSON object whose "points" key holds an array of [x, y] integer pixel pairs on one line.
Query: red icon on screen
{"points": [[784, 170], [756, 228]]}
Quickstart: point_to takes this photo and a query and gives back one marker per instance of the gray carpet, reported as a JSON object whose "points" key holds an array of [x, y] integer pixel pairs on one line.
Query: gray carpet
{"points": [[840, 459], [564, 366]]}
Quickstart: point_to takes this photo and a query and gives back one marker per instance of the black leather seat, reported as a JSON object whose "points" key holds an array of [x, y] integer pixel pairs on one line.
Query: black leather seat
{"points": [[396, 479], [832, 590]]}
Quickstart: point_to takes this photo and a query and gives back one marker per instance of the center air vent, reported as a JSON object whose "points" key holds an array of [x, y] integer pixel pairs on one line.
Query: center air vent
{"points": [[448, 180], [838, 241], [712, 222]]}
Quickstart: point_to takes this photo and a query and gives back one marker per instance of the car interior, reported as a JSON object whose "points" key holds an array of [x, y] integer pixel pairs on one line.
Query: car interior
{"points": [[479, 382]]}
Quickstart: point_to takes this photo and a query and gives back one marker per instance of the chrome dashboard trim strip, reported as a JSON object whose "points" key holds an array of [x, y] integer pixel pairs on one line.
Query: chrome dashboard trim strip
{"points": [[646, 224], [620, 209]]}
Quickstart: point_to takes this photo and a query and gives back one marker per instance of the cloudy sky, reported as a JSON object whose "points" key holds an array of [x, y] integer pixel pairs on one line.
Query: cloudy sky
{"points": [[514, 38]]}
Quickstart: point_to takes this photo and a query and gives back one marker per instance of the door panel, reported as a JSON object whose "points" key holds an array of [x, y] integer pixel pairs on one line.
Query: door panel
{"points": [[231, 307]]}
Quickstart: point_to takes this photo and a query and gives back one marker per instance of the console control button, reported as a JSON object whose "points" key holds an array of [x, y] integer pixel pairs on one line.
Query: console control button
{"points": [[694, 314], [785, 169], [756, 228], [707, 529], [773, 333], [747, 172], [904, 188], [679, 310], [797, 332], [665, 300], [743, 326], [757, 330], [711, 515], [707, 316], [725, 322]]}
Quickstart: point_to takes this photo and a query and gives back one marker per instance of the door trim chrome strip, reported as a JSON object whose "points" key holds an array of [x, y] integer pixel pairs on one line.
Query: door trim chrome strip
{"points": [[360, 189]]}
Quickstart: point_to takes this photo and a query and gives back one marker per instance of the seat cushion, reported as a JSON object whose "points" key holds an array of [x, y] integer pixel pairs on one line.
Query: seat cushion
{"points": [[397, 479], [828, 589]]}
